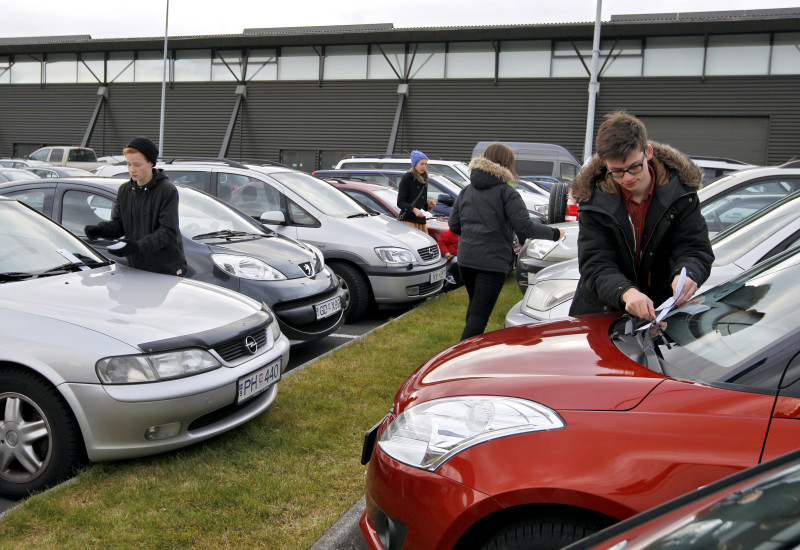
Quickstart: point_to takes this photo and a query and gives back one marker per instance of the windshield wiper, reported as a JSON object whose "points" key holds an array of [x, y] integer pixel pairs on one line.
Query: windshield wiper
{"points": [[69, 266], [225, 234], [362, 215], [15, 276]]}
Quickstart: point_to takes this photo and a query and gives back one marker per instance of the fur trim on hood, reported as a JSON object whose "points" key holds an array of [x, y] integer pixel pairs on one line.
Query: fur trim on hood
{"points": [[665, 161], [491, 168]]}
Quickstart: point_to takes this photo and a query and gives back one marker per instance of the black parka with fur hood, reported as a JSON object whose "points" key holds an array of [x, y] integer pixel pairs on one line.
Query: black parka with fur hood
{"points": [[675, 234], [487, 213]]}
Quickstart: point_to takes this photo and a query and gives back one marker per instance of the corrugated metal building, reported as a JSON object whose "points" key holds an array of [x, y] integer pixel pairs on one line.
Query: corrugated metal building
{"points": [[721, 84]]}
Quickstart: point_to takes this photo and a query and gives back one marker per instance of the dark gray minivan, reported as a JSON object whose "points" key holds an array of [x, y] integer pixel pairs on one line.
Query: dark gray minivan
{"points": [[538, 159]]}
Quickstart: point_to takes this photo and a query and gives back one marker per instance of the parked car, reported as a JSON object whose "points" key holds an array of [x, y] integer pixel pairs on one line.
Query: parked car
{"points": [[16, 174], [99, 361], [22, 164], [454, 170], [223, 246], [58, 172], [756, 238], [756, 508], [724, 202], [538, 159], [65, 155], [383, 199], [568, 426], [714, 167], [381, 261]]}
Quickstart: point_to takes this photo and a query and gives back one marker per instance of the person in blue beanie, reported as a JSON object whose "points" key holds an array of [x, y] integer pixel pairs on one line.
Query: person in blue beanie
{"points": [[412, 193]]}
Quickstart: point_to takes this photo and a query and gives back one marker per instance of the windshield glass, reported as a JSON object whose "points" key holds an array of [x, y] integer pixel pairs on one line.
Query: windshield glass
{"points": [[31, 243], [326, 198], [201, 214], [724, 335], [743, 237]]}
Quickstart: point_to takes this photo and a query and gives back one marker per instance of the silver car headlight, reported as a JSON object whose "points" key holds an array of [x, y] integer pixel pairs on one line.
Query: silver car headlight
{"points": [[247, 267], [427, 435], [545, 295], [154, 367], [538, 248], [392, 255]]}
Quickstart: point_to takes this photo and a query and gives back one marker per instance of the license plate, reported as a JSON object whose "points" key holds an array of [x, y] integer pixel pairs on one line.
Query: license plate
{"points": [[258, 381], [326, 309], [437, 276]]}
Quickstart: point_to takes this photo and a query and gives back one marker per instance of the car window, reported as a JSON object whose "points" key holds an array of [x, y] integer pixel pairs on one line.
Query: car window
{"points": [[397, 165], [434, 190], [366, 200], [201, 214], [568, 171], [43, 173], [41, 155], [81, 155], [40, 200], [300, 216], [249, 194], [723, 213], [380, 179], [451, 173], [195, 180], [534, 167], [323, 196], [82, 208], [357, 164], [56, 155]]}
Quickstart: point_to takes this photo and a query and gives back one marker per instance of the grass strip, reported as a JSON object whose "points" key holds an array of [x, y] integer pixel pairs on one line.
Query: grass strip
{"points": [[280, 481]]}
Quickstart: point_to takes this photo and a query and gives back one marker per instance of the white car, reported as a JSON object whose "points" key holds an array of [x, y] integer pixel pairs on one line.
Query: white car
{"points": [[455, 170], [760, 236], [105, 362]]}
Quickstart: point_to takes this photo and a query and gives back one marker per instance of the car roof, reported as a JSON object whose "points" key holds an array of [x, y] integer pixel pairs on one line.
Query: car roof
{"points": [[721, 184]]}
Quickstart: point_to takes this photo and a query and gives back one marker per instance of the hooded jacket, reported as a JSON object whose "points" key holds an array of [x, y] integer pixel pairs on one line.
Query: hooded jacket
{"points": [[487, 213], [148, 215], [412, 193], [675, 234]]}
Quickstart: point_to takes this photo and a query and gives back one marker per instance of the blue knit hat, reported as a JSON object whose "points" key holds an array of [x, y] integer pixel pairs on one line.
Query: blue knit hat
{"points": [[417, 156]]}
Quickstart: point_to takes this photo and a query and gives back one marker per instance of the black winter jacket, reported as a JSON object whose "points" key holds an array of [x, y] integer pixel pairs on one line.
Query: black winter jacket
{"points": [[675, 234], [408, 189], [148, 215], [486, 214]]}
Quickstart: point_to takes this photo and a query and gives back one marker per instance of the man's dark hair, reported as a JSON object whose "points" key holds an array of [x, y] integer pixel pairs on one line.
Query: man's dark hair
{"points": [[620, 134]]}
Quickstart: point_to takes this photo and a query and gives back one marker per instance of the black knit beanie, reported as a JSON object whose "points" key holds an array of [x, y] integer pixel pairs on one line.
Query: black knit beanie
{"points": [[146, 147]]}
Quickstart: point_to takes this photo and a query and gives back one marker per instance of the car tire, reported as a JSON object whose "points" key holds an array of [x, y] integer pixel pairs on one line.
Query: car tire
{"points": [[34, 460], [356, 290], [541, 533], [557, 208]]}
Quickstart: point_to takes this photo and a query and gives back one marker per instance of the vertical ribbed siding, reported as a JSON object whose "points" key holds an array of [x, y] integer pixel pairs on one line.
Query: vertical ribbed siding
{"points": [[442, 117]]}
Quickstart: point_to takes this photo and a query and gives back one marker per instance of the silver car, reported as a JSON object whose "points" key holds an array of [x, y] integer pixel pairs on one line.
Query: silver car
{"points": [[104, 362]]}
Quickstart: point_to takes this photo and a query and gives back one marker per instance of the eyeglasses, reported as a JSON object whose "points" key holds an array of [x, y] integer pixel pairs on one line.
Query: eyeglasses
{"points": [[633, 170]]}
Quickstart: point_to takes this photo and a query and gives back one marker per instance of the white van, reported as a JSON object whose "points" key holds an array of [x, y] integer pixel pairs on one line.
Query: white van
{"points": [[538, 159]]}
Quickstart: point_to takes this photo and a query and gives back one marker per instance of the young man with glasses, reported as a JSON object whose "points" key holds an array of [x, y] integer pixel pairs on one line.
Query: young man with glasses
{"points": [[639, 223]]}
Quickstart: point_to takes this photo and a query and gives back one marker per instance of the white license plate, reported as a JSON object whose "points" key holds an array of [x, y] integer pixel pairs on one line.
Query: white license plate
{"points": [[258, 381], [326, 309], [437, 276]]}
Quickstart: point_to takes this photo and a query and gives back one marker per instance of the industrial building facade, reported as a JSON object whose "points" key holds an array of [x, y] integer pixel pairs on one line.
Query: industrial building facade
{"points": [[715, 84]]}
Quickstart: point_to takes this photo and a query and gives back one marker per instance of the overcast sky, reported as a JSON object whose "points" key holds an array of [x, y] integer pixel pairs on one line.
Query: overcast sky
{"points": [[122, 19]]}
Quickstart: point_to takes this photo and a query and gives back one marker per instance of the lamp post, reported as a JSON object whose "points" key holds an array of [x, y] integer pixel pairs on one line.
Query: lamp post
{"points": [[163, 86], [593, 86]]}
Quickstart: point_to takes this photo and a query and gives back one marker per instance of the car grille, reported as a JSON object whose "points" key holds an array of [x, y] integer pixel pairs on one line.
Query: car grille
{"points": [[424, 288], [429, 253], [235, 348], [314, 326]]}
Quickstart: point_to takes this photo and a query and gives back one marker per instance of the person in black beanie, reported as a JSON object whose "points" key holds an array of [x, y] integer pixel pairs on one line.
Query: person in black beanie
{"points": [[145, 215]]}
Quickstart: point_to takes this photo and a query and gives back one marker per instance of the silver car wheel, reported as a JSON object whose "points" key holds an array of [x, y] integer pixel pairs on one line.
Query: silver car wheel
{"points": [[26, 444]]}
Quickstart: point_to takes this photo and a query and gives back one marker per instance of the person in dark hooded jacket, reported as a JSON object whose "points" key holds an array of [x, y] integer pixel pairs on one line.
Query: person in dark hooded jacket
{"points": [[639, 223], [486, 214], [145, 214]]}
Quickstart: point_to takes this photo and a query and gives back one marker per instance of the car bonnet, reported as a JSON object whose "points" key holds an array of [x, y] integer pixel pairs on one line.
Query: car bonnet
{"points": [[567, 364], [130, 305], [278, 251], [385, 231]]}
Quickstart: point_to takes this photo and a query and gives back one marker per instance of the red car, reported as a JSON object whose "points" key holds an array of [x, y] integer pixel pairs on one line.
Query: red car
{"points": [[538, 435], [383, 199]]}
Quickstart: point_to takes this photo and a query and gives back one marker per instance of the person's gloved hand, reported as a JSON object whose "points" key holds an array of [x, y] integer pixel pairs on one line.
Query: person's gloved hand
{"points": [[92, 232], [130, 248]]}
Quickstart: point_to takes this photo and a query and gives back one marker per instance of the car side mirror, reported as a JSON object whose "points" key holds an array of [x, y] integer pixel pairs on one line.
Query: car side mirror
{"points": [[273, 217]]}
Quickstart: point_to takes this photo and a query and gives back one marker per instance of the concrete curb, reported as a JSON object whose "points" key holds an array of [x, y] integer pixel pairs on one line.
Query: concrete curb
{"points": [[345, 533]]}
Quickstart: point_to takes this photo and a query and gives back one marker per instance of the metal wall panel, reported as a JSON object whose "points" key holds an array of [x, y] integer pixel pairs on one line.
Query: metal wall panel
{"points": [[441, 117]]}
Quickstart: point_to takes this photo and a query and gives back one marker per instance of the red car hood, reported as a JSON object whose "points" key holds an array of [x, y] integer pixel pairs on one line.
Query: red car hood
{"points": [[563, 364]]}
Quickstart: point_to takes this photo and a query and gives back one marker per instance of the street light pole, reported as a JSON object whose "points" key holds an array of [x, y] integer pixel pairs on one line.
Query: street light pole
{"points": [[593, 86], [163, 86]]}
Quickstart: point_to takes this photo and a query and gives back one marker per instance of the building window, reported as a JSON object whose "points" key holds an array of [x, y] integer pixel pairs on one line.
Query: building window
{"points": [[120, 67], [737, 54], [91, 68], [524, 59], [345, 63], [298, 64], [427, 61], [262, 65], [192, 65], [61, 68], [26, 69], [379, 68], [785, 53], [618, 58], [149, 67], [566, 63], [5, 69], [227, 66], [674, 56], [470, 60]]}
